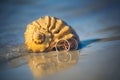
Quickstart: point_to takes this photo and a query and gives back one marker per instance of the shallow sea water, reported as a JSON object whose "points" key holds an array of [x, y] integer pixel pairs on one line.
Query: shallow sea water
{"points": [[97, 23]]}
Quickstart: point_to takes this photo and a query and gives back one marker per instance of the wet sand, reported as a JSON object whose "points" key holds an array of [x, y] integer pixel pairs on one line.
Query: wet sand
{"points": [[97, 23]]}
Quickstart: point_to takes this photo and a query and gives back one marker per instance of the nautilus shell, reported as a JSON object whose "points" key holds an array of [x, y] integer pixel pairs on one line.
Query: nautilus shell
{"points": [[48, 32]]}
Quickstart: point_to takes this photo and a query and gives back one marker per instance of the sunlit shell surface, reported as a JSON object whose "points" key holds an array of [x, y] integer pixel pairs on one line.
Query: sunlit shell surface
{"points": [[41, 35]]}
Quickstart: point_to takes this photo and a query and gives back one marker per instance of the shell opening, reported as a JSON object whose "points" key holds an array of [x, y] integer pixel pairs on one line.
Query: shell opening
{"points": [[70, 44], [73, 44], [62, 44]]}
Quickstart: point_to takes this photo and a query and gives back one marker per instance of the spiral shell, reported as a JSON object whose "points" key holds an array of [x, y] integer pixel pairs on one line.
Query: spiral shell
{"points": [[41, 35]]}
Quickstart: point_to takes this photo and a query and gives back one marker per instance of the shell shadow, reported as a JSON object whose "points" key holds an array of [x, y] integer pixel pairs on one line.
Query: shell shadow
{"points": [[85, 43]]}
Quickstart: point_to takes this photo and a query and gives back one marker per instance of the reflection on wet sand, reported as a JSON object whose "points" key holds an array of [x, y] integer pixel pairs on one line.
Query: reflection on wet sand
{"points": [[47, 64]]}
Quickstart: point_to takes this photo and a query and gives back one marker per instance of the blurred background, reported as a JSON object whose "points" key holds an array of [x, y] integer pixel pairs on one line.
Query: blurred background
{"points": [[97, 23]]}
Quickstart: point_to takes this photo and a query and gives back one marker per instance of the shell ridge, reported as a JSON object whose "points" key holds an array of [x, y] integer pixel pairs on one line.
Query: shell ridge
{"points": [[58, 26], [63, 31], [53, 21], [47, 22], [36, 24]]}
